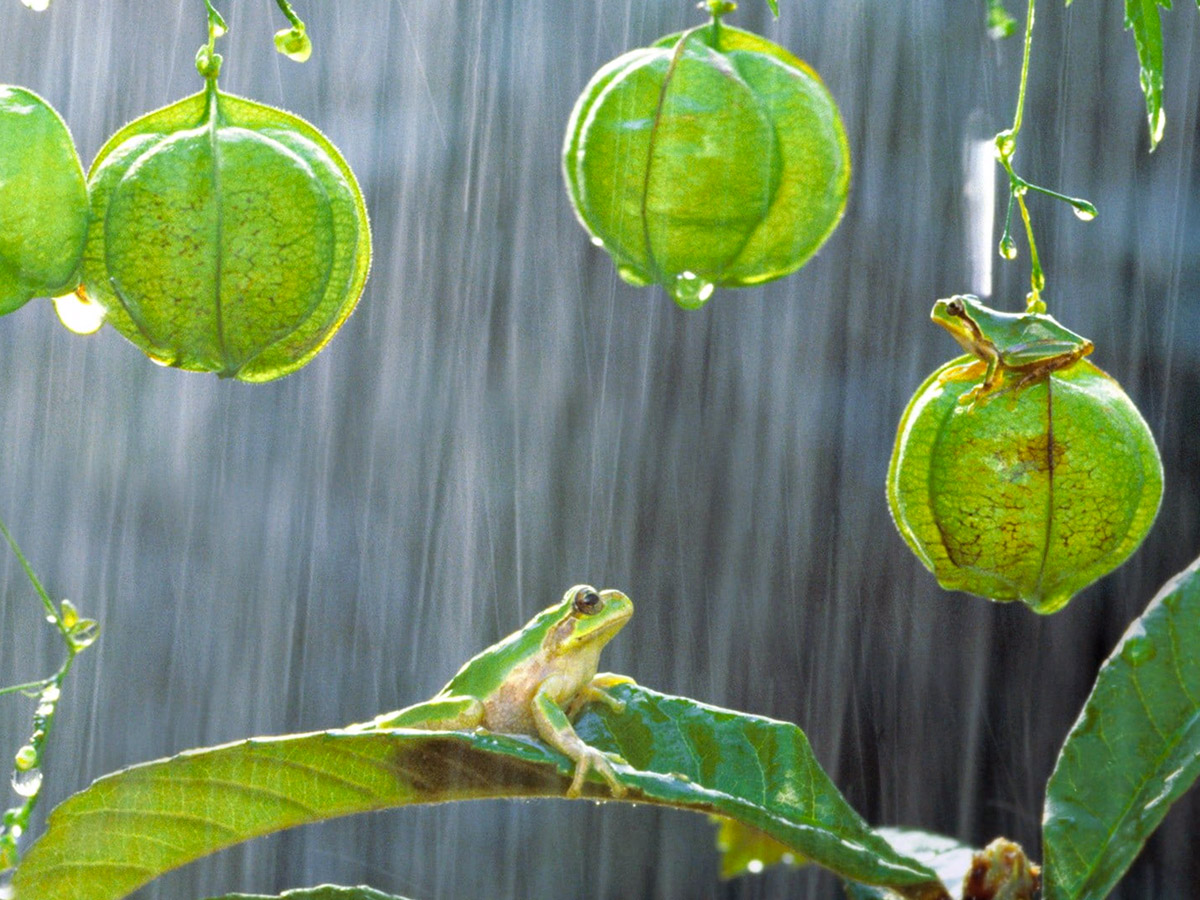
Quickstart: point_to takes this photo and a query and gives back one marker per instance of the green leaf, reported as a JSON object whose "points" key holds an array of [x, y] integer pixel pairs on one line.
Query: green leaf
{"points": [[321, 892], [946, 856], [1134, 750], [999, 23], [133, 825], [1142, 18]]}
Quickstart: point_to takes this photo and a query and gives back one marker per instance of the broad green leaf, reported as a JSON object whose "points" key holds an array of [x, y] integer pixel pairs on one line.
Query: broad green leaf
{"points": [[321, 892], [1134, 750], [946, 856], [1142, 18], [133, 825]]}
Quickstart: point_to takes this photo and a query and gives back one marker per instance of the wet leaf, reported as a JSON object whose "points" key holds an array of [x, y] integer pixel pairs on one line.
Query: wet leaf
{"points": [[1134, 750], [946, 856], [43, 201], [1143, 19], [321, 892], [133, 825]]}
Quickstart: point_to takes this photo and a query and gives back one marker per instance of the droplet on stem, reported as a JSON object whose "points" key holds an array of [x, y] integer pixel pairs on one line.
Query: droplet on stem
{"points": [[37, 5], [1083, 210], [27, 784], [1008, 247]]}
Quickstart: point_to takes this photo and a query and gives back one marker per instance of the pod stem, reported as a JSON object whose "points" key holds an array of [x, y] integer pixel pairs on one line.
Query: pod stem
{"points": [[1018, 187], [208, 61], [77, 634]]}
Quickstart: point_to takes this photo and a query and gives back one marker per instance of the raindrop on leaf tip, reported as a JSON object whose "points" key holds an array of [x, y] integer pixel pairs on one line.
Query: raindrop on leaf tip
{"points": [[37, 5]]}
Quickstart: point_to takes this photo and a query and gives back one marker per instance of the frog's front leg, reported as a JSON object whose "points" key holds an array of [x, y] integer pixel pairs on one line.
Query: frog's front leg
{"points": [[554, 727], [448, 713], [596, 691]]}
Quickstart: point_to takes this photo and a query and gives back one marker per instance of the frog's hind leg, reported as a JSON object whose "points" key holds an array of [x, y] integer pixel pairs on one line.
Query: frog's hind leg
{"points": [[440, 714]]}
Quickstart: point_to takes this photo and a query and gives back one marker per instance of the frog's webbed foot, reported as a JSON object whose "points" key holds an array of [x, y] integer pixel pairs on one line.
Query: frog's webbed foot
{"points": [[591, 759]]}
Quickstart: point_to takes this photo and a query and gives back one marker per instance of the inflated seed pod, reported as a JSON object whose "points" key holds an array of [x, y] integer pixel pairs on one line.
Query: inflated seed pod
{"points": [[714, 158], [227, 237], [1031, 495], [43, 201]]}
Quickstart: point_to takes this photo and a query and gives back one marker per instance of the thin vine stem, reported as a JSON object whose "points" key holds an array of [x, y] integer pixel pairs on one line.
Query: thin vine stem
{"points": [[1018, 187], [77, 634]]}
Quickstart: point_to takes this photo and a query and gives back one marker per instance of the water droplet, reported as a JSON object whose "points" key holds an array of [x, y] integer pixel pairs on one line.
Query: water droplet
{"points": [[27, 784], [84, 634], [37, 5], [294, 44], [218, 28], [632, 276], [1138, 650], [754, 866], [78, 313], [68, 613], [50, 694], [690, 290], [1006, 144], [1083, 210], [158, 360], [1008, 247], [1158, 125], [597, 241], [26, 758]]}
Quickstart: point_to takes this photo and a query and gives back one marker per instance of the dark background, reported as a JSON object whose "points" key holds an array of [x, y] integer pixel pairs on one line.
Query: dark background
{"points": [[503, 418]]}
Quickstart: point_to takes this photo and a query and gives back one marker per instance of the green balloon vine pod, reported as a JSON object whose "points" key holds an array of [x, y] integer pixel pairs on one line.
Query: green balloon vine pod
{"points": [[1021, 472], [43, 201], [713, 158], [227, 236]]}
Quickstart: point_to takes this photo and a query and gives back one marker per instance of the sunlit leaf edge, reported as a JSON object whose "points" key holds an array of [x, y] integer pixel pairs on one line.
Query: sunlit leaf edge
{"points": [[320, 892], [133, 825], [1135, 744]]}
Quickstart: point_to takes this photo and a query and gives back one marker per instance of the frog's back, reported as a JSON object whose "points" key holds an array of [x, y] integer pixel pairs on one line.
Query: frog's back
{"points": [[483, 673]]}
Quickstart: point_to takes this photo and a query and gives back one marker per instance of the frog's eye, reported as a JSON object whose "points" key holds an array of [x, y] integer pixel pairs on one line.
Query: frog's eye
{"points": [[587, 601], [955, 307]]}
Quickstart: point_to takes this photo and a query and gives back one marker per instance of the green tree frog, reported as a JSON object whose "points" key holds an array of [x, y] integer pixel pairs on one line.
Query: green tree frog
{"points": [[535, 681], [1028, 346]]}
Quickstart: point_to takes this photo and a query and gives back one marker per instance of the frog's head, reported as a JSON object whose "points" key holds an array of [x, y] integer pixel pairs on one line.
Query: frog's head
{"points": [[960, 315], [587, 618]]}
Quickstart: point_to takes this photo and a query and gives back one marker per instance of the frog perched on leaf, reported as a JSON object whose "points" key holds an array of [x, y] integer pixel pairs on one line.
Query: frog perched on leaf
{"points": [[1027, 346], [535, 681]]}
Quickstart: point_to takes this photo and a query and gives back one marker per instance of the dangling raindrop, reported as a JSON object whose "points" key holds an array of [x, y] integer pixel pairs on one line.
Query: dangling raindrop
{"points": [[1008, 247], [691, 291], [597, 241], [1083, 210], [37, 5], [754, 866], [1158, 125], [84, 634], [78, 313], [27, 784]]}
